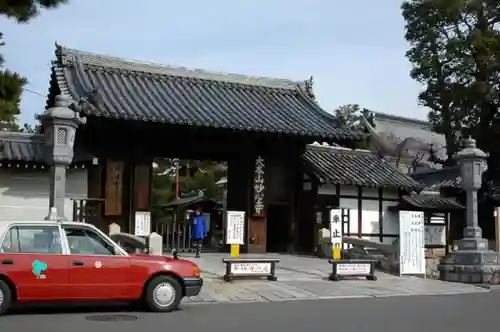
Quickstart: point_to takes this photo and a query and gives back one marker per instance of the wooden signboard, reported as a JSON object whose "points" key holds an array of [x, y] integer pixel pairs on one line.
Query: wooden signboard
{"points": [[114, 188]]}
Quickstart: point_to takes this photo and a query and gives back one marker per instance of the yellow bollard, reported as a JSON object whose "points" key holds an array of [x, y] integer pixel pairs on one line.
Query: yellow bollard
{"points": [[336, 252], [235, 250]]}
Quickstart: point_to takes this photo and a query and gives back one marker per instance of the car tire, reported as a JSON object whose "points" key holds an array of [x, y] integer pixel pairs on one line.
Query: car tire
{"points": [[5, 297], [163, 294]]}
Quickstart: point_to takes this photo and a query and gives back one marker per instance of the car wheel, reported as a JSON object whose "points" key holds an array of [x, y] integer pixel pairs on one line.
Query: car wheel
{"points": [[163, 294], [5, 297]]}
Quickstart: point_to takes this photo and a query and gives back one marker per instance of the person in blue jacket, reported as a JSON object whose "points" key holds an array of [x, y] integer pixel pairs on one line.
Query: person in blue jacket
{"points": [[198, 230]]}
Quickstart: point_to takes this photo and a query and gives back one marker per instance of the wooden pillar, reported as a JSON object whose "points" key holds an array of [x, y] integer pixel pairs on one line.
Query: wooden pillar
{"points": [[95, 193], [238, 191], [360, 211], [140, 191], [497, 230], [258, 220], [296, 175], [142, 187]]}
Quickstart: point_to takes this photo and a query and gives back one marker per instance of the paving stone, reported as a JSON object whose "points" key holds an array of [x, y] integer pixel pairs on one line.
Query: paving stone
{"points": [[270, 296], [305, 278]]}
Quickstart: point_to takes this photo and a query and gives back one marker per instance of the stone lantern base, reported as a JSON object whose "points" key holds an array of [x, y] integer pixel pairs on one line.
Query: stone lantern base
{"points": [[471, 263]]}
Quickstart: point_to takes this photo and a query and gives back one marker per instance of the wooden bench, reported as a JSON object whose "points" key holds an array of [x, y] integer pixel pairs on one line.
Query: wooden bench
{"points": [[352, 268], [250, 268]]}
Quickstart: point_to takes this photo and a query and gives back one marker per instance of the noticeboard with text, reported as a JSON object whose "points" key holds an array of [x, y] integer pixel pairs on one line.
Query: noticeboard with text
{"points": [[142, 223], [411, 243], [235, 230]]}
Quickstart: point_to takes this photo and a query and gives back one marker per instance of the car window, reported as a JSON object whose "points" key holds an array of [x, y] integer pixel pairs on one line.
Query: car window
{"points": [[32, 239], [87, 242]]}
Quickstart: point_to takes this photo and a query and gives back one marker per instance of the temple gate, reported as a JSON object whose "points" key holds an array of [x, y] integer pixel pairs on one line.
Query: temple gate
{"points": [[127, 113]]}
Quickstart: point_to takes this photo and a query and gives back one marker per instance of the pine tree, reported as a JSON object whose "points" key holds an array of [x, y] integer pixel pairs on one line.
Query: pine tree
{"points": [[11, 84]]}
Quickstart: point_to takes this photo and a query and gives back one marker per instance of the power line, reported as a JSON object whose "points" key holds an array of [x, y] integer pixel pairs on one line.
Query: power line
{"points": [[34, 92]]}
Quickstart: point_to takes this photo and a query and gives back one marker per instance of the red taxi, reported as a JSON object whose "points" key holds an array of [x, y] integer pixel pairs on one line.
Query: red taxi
{"points": [[68, 261]]}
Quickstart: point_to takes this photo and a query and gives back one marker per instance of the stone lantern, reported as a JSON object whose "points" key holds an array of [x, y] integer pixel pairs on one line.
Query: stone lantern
{"points": [[472, 262], [59, 127]]}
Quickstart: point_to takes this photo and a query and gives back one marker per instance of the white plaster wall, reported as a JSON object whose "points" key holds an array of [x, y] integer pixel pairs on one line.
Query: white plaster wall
{"points": [[370, 218], [24, 193], [352, 205], [370, 210]]}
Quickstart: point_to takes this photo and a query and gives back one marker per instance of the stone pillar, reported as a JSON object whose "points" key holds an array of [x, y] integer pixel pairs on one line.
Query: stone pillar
{"points": [[59, 127], [473, 261], [155, 244]]}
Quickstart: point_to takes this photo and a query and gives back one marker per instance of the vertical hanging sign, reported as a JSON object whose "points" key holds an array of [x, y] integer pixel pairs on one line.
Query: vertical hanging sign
{"points": [[411, 243], [258, 186], [336, 233]]}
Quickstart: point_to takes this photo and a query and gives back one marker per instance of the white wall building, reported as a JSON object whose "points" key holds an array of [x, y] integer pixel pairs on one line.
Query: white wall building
{"points": [[368, 189], [24, 179]]}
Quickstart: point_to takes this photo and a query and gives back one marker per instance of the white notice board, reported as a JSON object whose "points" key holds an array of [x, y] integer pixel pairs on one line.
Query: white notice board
{"points": [[411, 242], [235, 231], [142, 223]]}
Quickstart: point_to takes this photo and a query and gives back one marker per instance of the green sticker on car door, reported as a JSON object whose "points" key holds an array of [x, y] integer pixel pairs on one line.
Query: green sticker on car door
{"points": [[38, 268]]}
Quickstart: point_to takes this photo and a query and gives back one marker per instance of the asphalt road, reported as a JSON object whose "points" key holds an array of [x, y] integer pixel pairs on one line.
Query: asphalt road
{"points": [[408, 313]]}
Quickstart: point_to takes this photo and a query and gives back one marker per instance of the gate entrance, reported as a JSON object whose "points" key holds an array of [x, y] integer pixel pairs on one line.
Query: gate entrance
{"points": [[136, 112], [176, 229]]}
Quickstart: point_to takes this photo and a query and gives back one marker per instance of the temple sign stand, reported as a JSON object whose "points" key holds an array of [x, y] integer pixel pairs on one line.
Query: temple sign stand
{"points": [[235, 231], [473, 261], [336, 234]]}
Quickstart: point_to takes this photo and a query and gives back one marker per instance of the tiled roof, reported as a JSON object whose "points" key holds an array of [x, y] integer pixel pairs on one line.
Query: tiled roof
{"points": [[123, 89], [347, 167], [27, 148], [21, 147], [187, 202], [429, 202], [433, 180]]}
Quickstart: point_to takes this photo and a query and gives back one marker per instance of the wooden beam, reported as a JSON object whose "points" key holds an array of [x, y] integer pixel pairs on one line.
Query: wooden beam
{"points": [[360, 211]]}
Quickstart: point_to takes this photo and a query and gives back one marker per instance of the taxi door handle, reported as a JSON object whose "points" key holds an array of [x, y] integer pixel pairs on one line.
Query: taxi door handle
{"points": [[7, 262], [78, 263]]}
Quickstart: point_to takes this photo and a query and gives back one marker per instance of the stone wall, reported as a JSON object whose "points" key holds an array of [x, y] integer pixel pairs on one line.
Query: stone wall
{"points": [[432, 258]]}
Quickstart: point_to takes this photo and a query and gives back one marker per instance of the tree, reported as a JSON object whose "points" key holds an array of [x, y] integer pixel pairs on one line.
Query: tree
{"points": [[24, 10], [354, 117], [27, 128], [11, 88], [455, 54], [11, 84], [349, 115], [195, 175]]}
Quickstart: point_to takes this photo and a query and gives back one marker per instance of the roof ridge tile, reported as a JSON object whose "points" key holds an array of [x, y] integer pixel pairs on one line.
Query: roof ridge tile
{"points": [[67, 56]]}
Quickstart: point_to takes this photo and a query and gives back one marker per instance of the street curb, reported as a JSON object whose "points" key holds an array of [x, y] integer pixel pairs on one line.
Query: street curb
{"points": [[334, 297], [339, 297]]}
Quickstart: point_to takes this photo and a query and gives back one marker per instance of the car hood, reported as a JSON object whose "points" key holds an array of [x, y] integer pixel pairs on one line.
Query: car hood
{"points": [[156, 258]]}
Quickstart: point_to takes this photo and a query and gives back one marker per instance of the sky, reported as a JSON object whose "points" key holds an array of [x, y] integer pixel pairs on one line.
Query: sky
{"points": [[355, 50]]}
